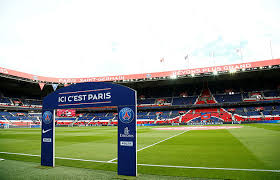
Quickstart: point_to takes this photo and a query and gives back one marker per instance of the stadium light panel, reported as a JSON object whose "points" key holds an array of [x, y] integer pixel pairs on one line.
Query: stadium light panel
{"points": [[232, 71], [173, 76]]}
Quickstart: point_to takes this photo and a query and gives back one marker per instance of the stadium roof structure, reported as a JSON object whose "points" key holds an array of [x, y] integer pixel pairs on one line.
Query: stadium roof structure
{"points": [[184, 73], [259, 74]]}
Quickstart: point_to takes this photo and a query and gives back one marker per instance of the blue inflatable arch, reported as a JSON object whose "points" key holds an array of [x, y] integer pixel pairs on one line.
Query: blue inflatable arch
{"points": [[94, 94]]}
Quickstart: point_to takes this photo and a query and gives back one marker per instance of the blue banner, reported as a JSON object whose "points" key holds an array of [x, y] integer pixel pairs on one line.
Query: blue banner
{"points": [[270, 121], [88, 97], [127, 145], [84, 95], [47, 140], [94, 94]]}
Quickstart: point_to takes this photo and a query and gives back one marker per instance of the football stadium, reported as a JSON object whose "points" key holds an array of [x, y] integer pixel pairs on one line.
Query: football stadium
{"points": [[208, 124], [139, 89]]}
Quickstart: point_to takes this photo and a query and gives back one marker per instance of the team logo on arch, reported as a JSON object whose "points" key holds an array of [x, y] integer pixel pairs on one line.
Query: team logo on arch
{"points": [[47, 117], [126, 115]]}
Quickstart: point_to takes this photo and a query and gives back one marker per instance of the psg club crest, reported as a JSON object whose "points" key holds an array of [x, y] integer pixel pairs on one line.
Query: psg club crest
{"points": [[126, 115], [47, 117]]}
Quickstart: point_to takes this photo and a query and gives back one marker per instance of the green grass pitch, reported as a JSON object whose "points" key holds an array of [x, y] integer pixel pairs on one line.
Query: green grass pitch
{"points": [[255, 146]]}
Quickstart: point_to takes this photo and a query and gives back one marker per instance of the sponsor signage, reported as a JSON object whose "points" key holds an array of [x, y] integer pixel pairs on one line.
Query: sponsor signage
{"points": [[90, 94], [4, 70], [47, 139], [127, 140], [126, 133], [145, 75], [83, 95], [94, 94], [47, 142], [66, 112], [126, 143]]}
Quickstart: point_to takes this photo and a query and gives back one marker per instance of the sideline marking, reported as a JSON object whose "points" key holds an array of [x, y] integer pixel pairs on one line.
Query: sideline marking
{"points": [[112, 160], [75, 159], [161, 141], [154, 165], [227, 169], [154, 144]]}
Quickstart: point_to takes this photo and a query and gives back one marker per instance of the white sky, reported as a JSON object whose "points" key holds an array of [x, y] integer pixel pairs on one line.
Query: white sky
{"points": [[112, 37]]}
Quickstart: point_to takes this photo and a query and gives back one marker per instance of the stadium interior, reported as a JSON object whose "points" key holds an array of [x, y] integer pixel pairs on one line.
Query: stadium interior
{"points": [[246, 96]]}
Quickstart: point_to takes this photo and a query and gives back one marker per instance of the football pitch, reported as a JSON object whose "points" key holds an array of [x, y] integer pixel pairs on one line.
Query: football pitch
{"points": [[250, 152]]}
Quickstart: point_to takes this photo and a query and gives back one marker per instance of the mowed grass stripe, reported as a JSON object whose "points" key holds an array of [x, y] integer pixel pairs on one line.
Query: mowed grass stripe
{"points": [[20, 140], [262, 142], [268, 126], [112, 160], [212, 148], [20, 145], [166, 170], [149, 165], [11, 170], [96, 143], [161, 141], [147, 136], [27, 170]]}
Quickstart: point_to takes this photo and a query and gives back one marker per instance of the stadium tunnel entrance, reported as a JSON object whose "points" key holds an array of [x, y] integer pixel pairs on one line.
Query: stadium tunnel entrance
{"points": [[87, 95]]}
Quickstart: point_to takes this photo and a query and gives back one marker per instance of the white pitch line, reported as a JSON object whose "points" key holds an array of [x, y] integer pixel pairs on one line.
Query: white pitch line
{"points": [[154, 165], [227, 169], [85, 160], [20, 154], [153, 144], [112, 160], [75, 159], [161, 141]]}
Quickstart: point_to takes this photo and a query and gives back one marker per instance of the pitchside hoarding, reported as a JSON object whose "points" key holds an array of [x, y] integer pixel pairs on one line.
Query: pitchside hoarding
{"points": [[66, 112], [94, 94]]}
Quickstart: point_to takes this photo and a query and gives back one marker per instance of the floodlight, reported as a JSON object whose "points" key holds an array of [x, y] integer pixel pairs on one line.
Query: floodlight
{"points": [[232, 71], [173, 76]]}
